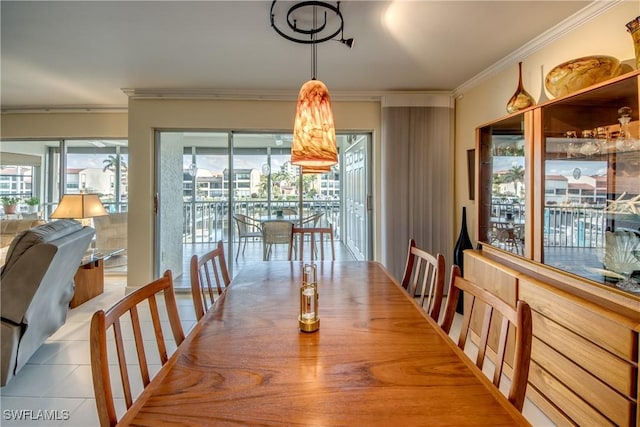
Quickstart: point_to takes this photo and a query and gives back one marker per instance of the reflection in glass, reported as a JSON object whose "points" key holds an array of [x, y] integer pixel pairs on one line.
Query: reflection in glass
{"points": [[502, 192], [591, 216]]}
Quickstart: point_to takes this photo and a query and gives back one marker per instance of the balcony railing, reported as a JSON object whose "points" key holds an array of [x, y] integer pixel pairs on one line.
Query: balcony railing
{"points": [[209, 221], [574, 227], [564, 226]]}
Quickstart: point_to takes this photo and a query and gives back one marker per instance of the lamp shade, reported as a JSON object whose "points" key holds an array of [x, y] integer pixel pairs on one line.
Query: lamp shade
{"points": [[79, 206], [314, 134], [315, 169]]}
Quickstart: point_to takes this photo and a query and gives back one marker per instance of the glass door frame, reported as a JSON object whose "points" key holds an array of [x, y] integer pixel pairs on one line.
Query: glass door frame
{"points": [[233, 153]]}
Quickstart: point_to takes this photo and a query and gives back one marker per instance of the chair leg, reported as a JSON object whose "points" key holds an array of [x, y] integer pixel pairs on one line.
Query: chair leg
{"points": [[266, 251], [238, 251], [245, 245]]}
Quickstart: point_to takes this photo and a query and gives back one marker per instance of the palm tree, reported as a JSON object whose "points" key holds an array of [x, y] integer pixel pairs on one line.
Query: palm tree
{"points": [[515, 175], [111, 161]]}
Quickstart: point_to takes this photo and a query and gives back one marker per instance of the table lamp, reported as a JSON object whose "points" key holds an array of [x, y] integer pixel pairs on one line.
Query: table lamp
{"points": [[80, 207]]}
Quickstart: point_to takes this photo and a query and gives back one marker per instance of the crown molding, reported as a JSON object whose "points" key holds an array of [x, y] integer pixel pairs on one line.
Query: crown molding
{"points": [[76, 109], [579, 18], [442, 97], [252, 95]]}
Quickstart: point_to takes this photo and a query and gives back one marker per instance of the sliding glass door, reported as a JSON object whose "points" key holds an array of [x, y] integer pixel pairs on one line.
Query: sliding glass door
{"points": [[204, 178]]}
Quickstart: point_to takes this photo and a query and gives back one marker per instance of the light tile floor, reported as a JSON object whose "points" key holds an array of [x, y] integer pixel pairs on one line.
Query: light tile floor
{"points": [[55, 387]]}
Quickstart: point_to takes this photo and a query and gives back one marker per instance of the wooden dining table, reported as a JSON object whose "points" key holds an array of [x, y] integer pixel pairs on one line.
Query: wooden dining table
{"points": [[377, 359]]}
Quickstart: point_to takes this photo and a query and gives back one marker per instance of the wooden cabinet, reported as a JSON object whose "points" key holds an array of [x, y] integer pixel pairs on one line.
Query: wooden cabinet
{"points": [[89, 282], [557, 193], [559, 183], [584, 362]]}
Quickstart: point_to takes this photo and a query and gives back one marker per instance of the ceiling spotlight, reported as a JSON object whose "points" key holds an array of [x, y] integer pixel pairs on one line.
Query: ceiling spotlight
{"points": [[347, 42]]}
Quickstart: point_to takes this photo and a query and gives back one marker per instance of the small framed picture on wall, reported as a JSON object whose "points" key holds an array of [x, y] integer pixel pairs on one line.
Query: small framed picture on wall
{"points": [[471, 173]]}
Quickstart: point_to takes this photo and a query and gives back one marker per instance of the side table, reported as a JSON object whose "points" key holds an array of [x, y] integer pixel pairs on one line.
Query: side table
{"points": [[89, 279]]}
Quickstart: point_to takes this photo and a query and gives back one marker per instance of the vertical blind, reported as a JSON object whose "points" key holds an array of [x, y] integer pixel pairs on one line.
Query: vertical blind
{"points": [[417, 183]]}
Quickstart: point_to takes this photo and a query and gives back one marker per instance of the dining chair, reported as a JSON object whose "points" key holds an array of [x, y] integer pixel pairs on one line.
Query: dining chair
{"points": [[509, 320], [248, 228], [115, 318], [209, 278], [423, 279], [309, 221], [275, 232], [317, 237]]}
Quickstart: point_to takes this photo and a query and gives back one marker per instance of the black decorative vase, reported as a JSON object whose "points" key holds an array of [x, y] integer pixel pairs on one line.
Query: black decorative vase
{"points": [[464, 242]]}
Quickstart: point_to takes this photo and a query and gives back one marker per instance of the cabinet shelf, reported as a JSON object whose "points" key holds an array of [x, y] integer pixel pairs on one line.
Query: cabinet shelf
{"points": [[563, 187]]}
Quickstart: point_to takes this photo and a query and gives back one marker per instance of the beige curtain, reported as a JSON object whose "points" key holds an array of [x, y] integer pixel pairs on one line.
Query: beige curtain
{"points": [[417, 183]]}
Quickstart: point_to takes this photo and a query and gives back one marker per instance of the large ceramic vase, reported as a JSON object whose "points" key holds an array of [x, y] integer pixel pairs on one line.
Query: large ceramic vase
{"points": [[634, 29], [463, 243], [521, 99]]}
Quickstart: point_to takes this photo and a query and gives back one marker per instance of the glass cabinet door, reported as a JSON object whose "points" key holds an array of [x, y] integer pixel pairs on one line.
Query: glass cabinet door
{"points": [[501, 214], [591, 206]]}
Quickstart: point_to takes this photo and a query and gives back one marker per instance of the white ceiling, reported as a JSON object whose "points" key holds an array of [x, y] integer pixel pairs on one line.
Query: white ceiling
{"points": [[83, 53]]}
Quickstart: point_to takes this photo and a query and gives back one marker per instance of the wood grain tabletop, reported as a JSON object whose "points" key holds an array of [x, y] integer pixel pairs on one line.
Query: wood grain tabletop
{"points": [[377, 360]]}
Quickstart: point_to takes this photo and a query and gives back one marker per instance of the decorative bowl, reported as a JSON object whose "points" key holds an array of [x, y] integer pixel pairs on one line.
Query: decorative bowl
{"points": [[619, 251], [580, 73]]}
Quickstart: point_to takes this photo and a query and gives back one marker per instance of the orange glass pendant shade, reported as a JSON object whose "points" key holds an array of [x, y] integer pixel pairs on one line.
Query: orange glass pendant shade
{"points": [[314, 134], [315, 169]]}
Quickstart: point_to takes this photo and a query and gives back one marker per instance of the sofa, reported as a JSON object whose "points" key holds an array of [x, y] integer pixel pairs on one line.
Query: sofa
{"points": [[36, 285], [10, 228]]}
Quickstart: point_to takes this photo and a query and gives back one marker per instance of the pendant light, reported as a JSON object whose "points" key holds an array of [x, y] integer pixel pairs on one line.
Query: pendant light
{"points": [[307, 170], [314, 133]]}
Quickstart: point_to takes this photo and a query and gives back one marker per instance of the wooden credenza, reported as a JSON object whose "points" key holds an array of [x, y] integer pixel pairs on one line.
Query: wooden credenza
{"points": [[584, 368]]}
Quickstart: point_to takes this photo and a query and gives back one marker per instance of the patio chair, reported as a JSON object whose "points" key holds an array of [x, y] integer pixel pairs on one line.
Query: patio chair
{"points": [[317, 236], [275, 232], [247, 228]]}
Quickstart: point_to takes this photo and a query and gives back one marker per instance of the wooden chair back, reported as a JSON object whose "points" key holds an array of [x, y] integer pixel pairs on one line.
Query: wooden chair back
{"points": [[209, 278], [318, 238], [488, 305], [423, 279], [102, 321]]}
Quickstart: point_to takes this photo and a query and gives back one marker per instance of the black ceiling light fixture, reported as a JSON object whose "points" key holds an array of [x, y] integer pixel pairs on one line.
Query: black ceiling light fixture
{"points": [[298, 29]]}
